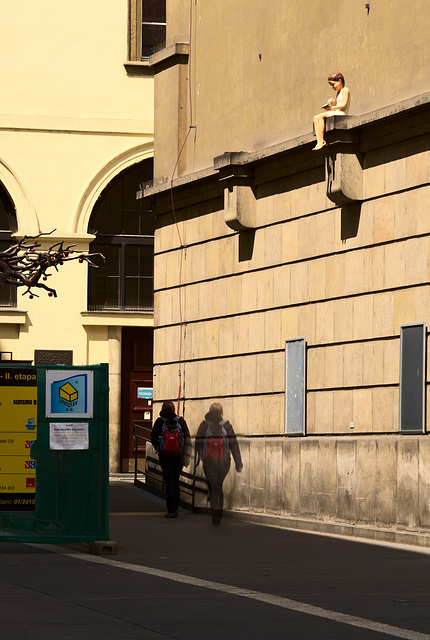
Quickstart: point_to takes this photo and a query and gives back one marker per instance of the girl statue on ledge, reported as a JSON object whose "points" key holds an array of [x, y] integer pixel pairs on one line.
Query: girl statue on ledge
{"points": [[337, 107]]}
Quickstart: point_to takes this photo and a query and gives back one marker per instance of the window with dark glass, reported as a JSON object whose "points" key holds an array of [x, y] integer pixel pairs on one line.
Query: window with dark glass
{"points": [[7, 227], [412, 391], [153, 26], [124, 228]]}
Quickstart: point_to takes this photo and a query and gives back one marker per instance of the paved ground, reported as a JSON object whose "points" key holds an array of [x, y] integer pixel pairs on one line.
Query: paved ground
{"points": [[187, 579]]}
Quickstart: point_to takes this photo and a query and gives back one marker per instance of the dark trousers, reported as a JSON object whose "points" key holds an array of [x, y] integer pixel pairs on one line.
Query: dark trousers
{"points": [[215, 472], [172, 467]]}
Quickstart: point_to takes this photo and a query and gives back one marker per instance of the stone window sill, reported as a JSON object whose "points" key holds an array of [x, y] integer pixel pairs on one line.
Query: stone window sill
{"points": [[12, 316], [135, 68], [117, 318]]}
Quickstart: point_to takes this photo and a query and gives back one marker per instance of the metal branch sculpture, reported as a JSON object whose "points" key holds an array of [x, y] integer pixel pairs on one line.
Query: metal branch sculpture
{"points": [[22, 265]]}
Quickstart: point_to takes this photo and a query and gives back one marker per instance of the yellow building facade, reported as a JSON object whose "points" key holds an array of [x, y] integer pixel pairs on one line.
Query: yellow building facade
{"points": [[292, 286], [76, 117]]}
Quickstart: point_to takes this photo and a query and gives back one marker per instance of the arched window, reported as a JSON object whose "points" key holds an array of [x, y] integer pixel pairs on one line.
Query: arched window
{"points": [[125, 236], [7, 226]]}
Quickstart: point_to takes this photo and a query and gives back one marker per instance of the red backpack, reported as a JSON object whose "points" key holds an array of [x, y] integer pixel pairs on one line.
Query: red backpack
{"points": [[172, 439], [216, 447]]}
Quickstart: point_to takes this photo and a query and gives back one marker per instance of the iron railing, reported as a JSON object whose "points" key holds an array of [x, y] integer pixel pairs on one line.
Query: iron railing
{"points": [[190, 484]]}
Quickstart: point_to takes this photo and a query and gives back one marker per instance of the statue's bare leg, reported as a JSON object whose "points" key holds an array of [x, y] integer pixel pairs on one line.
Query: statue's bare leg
{"points": [[319, 126]]}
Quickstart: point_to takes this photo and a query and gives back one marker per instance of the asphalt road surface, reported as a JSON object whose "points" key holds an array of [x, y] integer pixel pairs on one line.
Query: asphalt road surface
{"points": [[186, 579]]}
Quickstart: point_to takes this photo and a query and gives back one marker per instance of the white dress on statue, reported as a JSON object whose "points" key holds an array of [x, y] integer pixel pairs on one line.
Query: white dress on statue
{"points": [[343, 112]]}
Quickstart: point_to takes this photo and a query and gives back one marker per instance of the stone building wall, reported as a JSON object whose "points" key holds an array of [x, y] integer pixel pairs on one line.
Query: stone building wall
{"points": [[277, 242], [343, 277]]}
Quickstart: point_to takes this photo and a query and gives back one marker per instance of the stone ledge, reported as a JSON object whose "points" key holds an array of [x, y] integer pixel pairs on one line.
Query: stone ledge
{"points": [[138, 68], [183, 181], [324, 527], [12, 316], [392, 110], [111, 318], [174, 54], [301, 143]]}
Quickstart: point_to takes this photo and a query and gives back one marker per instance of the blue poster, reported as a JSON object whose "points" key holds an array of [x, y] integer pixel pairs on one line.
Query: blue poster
{"points": [[145, 393], [69, 393]]}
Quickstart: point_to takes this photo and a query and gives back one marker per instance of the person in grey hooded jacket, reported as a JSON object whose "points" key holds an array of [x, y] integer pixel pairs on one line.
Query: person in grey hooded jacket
{"points": [[215, 443]]}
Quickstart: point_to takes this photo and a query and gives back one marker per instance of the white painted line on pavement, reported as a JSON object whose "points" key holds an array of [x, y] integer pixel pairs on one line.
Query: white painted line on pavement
{"points": [[267, 598]]}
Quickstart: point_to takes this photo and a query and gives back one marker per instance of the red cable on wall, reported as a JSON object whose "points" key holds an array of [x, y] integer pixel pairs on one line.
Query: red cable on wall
{"points": [[182, 246]]}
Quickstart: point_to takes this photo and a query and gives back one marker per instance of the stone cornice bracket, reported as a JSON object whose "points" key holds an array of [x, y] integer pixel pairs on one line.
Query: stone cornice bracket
{"points": [[237, 179], [171, 56], [343, 166]]}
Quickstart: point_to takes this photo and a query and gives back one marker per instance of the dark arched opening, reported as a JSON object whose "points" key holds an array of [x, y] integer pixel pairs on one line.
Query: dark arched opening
{"points": [[8, 225], [125, 236]]}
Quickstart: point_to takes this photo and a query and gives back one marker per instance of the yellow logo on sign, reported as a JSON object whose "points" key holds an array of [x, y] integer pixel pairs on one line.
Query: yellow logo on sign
{"points": [[68, 392]]}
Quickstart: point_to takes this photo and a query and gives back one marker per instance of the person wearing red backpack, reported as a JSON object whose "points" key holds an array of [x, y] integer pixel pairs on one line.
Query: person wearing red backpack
{"points": [[215, 442], [170, 437]]}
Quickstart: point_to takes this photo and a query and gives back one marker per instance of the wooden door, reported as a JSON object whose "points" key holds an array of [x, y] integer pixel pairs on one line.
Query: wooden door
{"points": [[136, 382]]}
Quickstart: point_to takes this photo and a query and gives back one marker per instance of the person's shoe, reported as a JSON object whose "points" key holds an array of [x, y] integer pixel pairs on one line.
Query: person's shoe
{"points": [[169, 515], [216, 517]]}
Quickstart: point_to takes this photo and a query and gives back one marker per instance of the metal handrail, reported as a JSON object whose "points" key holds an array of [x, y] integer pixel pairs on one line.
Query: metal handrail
{"points": [[184, 474], [137, 437]]}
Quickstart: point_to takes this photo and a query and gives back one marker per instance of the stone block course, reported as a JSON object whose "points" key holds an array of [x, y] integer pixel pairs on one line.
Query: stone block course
{"points": [[316, 368], [386, 481], [256, 323], [342, 410], [324, 322], [395, 273], [264, 283], [353, 365], [203, 374], [242, 338], [226, 336], [326, 484], [333, 366], [317, 279], [395, 170], [384, 410], [365, 480], [324, 401], [374, 174], [281, 286], [257, 485], [407, 483], [417, 162], [289, 323], [424, 482], [346, 279], [354, 273], [272, 330], [274, 475], [334, 276], [363, 317], [290, 241], [360, 479], [346, 480], [362, 410], [298, 283], [291, 475], [278, 381], [273, 244], [248, 374]]}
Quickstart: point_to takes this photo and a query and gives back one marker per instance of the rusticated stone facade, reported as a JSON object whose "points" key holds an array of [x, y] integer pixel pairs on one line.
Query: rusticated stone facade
{"points": [[271, 241]]}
